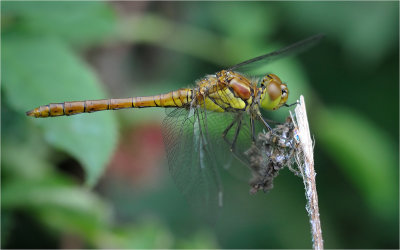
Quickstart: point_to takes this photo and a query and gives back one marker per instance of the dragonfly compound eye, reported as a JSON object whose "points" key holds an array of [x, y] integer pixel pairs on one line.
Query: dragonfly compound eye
{"points": [[273, 94]]}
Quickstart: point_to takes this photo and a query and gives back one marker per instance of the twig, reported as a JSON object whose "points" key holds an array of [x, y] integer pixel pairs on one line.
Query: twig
{"points": [[305, 161]]}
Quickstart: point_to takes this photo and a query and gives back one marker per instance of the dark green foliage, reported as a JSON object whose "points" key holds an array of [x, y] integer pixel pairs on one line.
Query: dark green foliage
{"points": [[68, 51]]}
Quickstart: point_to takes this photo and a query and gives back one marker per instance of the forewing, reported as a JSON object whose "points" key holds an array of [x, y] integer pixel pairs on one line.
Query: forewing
{"points": [[273, 56]]}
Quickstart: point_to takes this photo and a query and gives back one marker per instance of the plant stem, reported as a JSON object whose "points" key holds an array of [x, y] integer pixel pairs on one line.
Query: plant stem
{"points": [[305, 161]]}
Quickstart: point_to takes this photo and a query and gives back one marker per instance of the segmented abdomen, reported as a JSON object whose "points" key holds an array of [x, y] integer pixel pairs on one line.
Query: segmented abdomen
{"points": [[177, 98]]}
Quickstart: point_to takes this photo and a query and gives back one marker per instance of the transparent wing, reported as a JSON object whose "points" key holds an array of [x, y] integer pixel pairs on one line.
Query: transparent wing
{"points": [[191, 160], [270, 57], [229, 149], [197, 150]]}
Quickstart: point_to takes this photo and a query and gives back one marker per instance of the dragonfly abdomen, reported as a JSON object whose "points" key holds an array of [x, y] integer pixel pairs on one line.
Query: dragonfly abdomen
{"points": [[177, 98]]}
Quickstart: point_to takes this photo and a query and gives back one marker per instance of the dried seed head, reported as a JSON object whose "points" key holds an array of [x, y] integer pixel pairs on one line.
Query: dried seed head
{"points": [[270, 153]]}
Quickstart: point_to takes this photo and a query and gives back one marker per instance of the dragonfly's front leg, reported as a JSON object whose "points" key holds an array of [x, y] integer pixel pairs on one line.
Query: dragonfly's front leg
{"points": [[292, 104], [253, 129], [239, 126], [264, 121], [237, 120], [227, 130], [259, 116]]}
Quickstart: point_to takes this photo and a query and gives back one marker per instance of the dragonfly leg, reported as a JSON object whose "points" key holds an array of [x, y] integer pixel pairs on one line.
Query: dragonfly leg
{"points": [[292, 104], [267, 125], [264, 122], [236, 134], [273, 122], [227, 130], [253, 129]]}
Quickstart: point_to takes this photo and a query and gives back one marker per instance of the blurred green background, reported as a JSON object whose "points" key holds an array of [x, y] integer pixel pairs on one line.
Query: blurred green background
{"points": [[101, 180]]}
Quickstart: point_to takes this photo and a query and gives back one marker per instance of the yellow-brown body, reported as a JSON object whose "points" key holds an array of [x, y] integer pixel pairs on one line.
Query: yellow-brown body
{"points": [[225, 91]]}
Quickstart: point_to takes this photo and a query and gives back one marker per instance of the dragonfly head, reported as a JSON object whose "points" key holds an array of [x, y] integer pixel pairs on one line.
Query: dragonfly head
{"points": [[274, 93]]}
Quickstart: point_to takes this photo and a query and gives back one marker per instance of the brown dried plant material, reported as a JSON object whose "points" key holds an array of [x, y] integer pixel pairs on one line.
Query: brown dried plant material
{"points": [[281, 147], [272, 152]]}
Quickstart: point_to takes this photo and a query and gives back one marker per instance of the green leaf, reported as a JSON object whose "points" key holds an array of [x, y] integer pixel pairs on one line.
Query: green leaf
{"points": [[81, 23], [62, 207], [143, 235], [365, 153], [31, 185], [41, 71]]}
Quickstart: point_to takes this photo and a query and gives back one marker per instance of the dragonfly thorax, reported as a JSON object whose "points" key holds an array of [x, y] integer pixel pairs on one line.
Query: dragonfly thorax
{"points": [[274, 93]]}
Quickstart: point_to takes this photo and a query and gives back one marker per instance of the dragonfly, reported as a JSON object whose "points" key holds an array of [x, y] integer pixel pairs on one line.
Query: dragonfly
{"points": [[206, 126]]}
